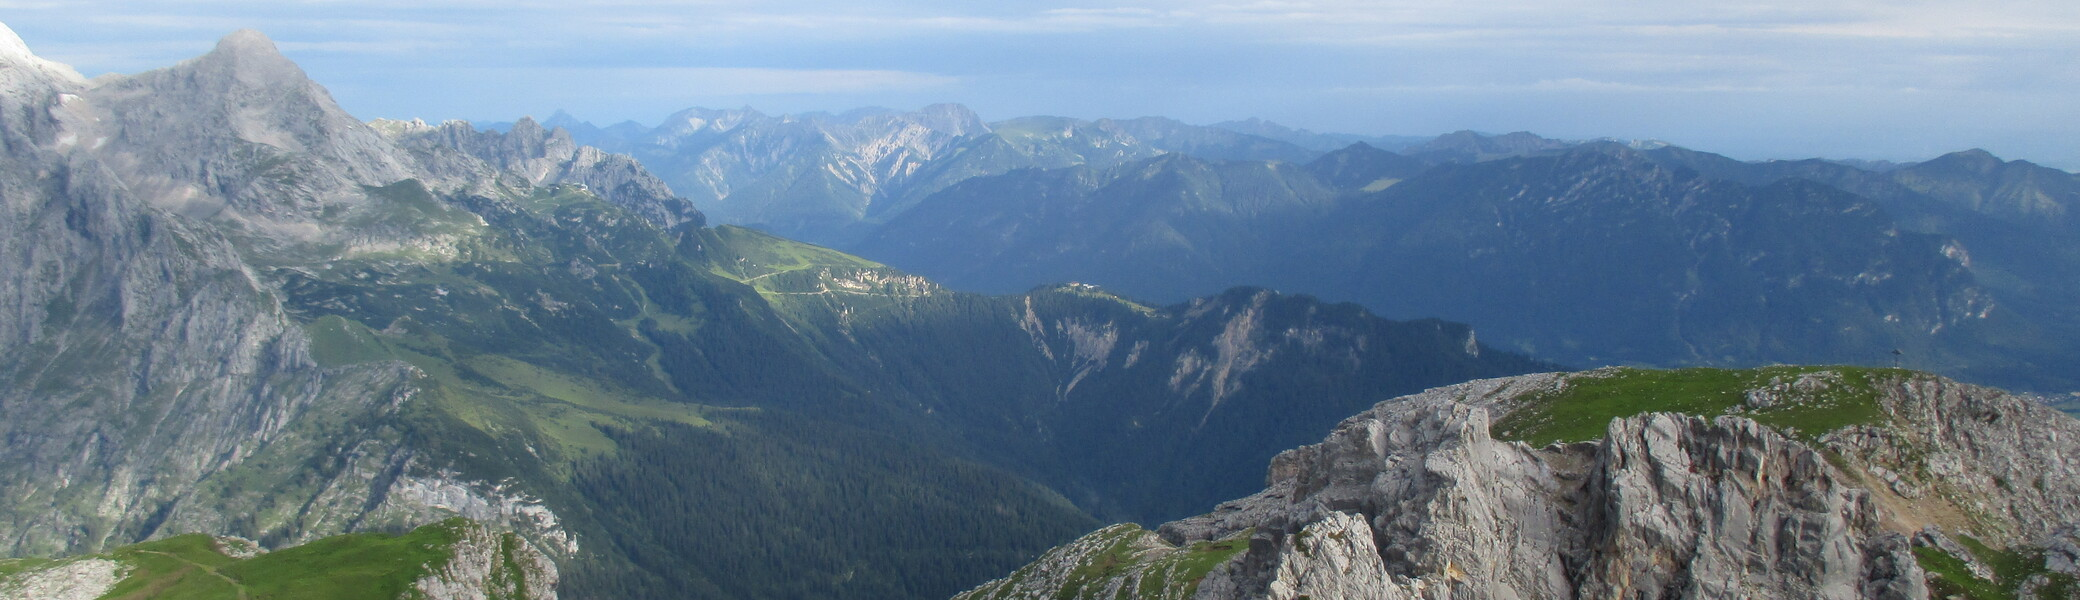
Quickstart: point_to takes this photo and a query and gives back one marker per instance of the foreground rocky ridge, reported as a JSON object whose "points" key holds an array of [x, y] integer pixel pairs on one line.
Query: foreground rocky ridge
{"points": [[452, 560], [1784, 483]]}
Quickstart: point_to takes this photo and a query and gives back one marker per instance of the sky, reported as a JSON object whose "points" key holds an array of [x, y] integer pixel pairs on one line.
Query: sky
{"points": [[1895, 80]]}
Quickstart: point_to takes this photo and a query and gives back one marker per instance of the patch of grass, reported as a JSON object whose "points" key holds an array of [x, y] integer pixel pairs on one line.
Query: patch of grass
{"points": [[1954, 578], [578, 405], [362, 566], [2010, 569], [356, 566], [1179, 573], [1112, 562], [175, 568], [409, 206], [1585, 406], [337, 341], [9, 567], [746, 254], [546, 199], [1091, 291], [2069, 403], [164, 577], [1146, 573], [2062, 587]]}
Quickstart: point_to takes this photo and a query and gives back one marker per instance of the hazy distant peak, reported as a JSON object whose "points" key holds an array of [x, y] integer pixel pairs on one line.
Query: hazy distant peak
{"points": [[529, 133], [14, 53], [562, 118], [1356, 151], [251, 59], [698, 118], [954, 119], [1975, 156], [247, 41], [1470, 145], [11, 46], [250, 48]]}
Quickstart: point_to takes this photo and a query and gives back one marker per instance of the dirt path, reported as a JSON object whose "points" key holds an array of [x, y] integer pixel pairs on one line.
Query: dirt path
{"points": [[206, 569]]}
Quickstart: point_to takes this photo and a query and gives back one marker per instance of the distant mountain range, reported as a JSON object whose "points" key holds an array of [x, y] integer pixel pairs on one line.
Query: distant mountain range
{"points": [[1585, 252], [1588, 254], [1594, 255], [826, 178]]}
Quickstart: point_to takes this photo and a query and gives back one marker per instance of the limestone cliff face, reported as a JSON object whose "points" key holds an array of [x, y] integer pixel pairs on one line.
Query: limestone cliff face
{"points": [[1417, 498], [484, 564], [142, 353], [802, 174], [530, 155], [156, 381]]}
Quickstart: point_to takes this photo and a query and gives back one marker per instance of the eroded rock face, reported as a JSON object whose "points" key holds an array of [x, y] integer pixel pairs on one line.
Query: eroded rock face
{"points": [[85, 579], [484, 564], [531, 155], [1416, 499], [157, 382], [1681, 506]]}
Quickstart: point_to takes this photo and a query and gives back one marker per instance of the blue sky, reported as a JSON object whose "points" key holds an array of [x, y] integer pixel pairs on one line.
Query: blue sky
{"points": [[1833, 78]]}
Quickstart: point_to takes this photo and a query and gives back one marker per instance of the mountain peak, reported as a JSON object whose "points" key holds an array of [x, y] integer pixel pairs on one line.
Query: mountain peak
{"points": [[564, 119], [952, 118], [15, 52], [247, 42], [1976, 155], [1974, 160], [252, 59], [11, 46]]}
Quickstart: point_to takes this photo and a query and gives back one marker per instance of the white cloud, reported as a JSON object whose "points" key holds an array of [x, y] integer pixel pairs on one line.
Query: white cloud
{"points": [[393, 47], [736, 81]]}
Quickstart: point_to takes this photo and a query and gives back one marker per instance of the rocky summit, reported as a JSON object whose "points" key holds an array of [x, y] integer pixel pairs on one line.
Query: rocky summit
{"points": [[1780, 482]]}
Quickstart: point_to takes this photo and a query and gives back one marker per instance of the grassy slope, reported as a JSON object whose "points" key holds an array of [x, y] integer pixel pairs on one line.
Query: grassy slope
{"points": [[2069, 403], [581, 353], [1149, 568], [362, 566], [566, 333], [2010, 569], [1588, 402]]}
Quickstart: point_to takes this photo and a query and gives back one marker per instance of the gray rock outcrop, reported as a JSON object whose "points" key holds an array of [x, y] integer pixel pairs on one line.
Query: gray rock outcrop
{"points": [[1417, 498], [84, 579], [157, 383], [484, 564], [530, 155]]}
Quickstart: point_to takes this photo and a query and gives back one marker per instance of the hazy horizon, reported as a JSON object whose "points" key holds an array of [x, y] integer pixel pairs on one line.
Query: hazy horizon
{"points": [[1839, 79]]}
